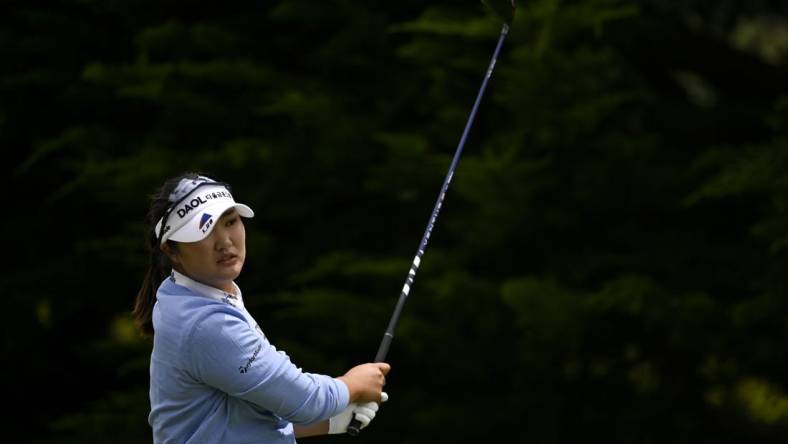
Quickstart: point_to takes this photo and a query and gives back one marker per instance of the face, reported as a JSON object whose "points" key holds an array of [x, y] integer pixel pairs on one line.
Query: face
{"points": [[216, 260]]}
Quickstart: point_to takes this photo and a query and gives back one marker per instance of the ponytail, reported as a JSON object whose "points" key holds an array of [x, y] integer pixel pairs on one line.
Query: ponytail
{"points": [[159, 266], [146, 296]]}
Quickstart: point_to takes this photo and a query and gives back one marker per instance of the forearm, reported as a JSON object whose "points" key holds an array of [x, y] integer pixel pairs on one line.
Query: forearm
{"points": [[316, 429]]}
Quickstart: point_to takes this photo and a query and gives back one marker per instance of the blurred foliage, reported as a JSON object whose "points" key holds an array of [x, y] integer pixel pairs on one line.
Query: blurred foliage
{"points": [[610, 261]]}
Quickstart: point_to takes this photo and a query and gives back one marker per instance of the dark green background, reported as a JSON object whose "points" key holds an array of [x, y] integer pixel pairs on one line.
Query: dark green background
{"points": [[611, 262]]}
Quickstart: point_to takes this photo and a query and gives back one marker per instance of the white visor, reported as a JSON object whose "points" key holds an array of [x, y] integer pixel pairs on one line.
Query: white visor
{"points": [[194, 217]]}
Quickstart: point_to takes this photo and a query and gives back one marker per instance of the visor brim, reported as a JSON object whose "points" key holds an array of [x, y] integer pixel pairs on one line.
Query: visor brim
{"points": [[201, 225]]}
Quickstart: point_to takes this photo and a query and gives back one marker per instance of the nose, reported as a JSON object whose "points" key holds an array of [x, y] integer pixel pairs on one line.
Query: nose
{"points": [[222, 237]]}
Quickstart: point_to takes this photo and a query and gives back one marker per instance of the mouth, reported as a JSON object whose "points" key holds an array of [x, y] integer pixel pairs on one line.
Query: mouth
{"points": [[227, 259]]}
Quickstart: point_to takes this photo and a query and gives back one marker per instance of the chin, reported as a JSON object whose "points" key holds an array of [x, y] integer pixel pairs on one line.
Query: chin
{"points": [[235, 271]]}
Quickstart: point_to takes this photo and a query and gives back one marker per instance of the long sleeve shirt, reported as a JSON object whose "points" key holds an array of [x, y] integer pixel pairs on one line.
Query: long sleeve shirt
{"points": [[215, 378]]}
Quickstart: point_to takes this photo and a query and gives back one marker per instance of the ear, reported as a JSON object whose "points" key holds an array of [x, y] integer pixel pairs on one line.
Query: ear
{"points": [[171, 253]]}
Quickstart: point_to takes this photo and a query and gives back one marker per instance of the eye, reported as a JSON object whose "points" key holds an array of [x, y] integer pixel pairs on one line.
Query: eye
{"points": [[230, 222]]}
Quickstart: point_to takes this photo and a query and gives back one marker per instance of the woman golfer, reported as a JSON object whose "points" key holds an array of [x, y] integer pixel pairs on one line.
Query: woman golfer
{"points": [[214, 377]]}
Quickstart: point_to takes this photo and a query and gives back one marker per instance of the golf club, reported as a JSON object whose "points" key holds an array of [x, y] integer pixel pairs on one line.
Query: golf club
{"points": [[504, 9]]}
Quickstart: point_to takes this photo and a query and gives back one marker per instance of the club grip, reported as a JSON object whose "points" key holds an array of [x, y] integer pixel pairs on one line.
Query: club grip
{"points": [[354, 428]]}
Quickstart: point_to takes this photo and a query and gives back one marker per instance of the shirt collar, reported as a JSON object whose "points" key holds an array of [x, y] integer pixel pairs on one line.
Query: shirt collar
{"points": [[201, 289]]}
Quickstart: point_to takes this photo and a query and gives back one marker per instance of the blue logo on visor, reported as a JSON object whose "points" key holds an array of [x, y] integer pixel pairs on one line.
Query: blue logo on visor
{"points": [[205, 218]]}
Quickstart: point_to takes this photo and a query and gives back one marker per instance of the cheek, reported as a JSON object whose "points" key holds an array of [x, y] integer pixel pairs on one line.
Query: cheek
{"points": [[203, 251], [240, 238], [242, 251], [192, 256]]}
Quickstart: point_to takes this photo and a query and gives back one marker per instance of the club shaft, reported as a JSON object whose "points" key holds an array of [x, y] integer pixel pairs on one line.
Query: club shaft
{"points": [[389, 335], [354, 427]]}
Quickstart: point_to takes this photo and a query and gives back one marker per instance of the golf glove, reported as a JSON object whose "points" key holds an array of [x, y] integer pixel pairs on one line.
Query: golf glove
{"points": [[364, 412]]}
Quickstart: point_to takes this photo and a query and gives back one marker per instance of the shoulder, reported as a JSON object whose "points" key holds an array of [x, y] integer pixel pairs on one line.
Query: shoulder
{"points": [[221, 325], [222, 340], [181, 312]]}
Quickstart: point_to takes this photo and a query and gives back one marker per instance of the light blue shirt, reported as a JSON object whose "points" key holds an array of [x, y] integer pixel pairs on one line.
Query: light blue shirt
{"points": [[215, 378]]}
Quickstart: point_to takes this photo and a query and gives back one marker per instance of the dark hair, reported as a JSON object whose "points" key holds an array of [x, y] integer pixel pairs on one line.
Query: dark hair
{"points": [[159, 262]]}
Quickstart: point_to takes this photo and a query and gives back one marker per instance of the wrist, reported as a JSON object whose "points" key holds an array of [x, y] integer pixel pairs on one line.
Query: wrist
{"points": [[351, 388]]}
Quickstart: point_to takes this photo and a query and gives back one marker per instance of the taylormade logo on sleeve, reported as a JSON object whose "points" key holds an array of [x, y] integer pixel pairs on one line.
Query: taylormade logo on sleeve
{"points": [[245, 368]]}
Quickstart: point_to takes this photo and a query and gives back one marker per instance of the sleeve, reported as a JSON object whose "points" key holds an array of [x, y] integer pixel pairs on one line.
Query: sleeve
{"points": [[231, 356]]}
